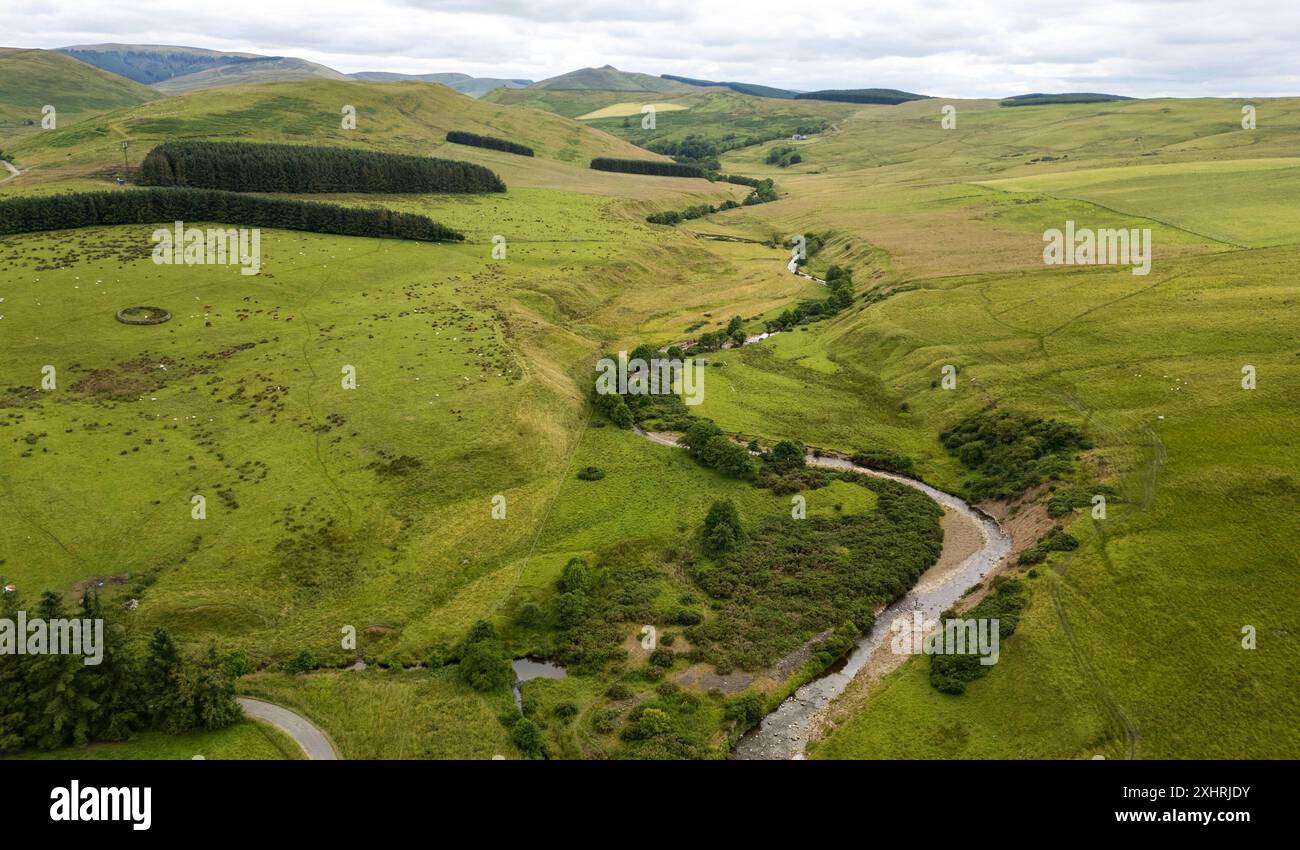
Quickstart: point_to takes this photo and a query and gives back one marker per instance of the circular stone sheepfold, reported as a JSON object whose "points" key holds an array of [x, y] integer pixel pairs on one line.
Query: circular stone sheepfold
{"points": [[143, 315]]}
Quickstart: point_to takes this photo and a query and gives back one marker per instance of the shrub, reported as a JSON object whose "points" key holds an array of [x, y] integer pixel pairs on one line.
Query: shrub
{"points": [[1057, 540], [237, 663], [603, 721], [570, 609], [786, 456], [647, 723], [484, 665], [745, 710], [576, 577], [789, 581], [950, 673], [687, 617], [783, 156], [1010, 452], [591, 473], [527, 737], [663, 657], [529, 614], [722, 531], [1070, 499], [885, 460], [303, 662]]}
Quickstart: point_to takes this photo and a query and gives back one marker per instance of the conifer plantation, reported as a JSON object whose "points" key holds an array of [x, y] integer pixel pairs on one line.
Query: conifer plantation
{"points": [[247, 167]]}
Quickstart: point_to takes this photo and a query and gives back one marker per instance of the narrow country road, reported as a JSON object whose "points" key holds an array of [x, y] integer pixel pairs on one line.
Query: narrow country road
{"points": [[304, 733], [8, 166]]}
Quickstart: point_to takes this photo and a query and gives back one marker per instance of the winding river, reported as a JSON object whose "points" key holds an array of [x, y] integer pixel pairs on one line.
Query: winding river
{"points": [[783, 734]]}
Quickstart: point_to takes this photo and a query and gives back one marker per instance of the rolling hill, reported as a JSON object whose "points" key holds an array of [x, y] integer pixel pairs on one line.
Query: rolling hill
{"points": [[463, 83], [743, 88], [1039, 99], [887, 97], [269, 69], [31, 79], [407, 117], [153, 63], [609, 78], [171, 69]]}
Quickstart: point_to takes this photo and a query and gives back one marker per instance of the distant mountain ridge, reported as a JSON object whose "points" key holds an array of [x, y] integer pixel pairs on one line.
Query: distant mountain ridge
{"points": [[1039, 99], [173, 68], [29, 79], [153, 63], [609, 78], [742, 88], [887, 97], [265, 69], [463, 83]]}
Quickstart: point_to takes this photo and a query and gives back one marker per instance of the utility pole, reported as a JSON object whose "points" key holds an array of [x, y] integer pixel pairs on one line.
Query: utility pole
{"points": [[125, 167]]}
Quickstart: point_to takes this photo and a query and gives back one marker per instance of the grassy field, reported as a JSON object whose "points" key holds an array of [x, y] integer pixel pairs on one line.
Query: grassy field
{"points": [[406, 117], [249, 739], [329, 507], [1131, 645], [34, 79], [712, 113]]}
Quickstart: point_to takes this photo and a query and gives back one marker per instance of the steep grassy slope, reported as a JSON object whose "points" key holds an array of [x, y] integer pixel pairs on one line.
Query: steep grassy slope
{"points": [[31, 79], [153, 63], [269, 69], [317, 515], [479, 369], [724, 118], [400, 117], [1132, 644]]}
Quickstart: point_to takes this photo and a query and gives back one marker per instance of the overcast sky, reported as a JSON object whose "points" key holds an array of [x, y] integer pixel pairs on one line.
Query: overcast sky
{"points": [[957, 48]]}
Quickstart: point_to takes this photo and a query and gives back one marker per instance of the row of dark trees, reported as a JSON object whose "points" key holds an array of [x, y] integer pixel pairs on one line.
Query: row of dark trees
{"points": [[87, 209], [704, 151], [250, 167], [839, 281], [646, 166], [52, 701], [764, 192], [460, 137], [883, 96], [697, 211]]}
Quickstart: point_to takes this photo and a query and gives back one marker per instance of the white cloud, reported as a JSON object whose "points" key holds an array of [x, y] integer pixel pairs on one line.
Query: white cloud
{"points": [[958, 48]]}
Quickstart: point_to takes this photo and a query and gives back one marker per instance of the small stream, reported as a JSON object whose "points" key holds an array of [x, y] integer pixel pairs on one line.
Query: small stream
{"points": [[531, 668], [783, 734]]}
